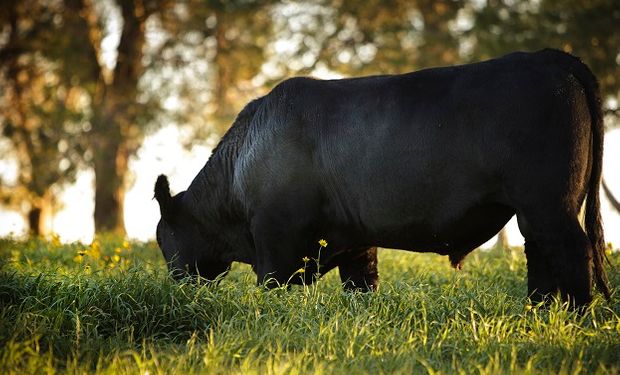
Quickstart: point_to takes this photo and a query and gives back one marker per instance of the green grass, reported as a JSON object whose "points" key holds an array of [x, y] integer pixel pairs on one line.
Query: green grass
{"points": [[114, 310]]}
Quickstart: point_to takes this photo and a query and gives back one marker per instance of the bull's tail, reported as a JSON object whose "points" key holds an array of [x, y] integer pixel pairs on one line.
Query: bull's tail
{"points": [[594, 225], [593, 222]]}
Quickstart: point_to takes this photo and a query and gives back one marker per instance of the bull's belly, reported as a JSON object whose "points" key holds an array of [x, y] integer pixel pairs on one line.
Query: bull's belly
{"points": [[458, 234]]}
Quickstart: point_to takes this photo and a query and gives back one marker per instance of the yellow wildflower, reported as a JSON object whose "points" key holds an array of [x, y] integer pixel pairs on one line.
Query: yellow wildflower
{"points": [[87, 268], [95, 244], [95, 249], [126, 244], [117, 250], [301, 270], [82, 253], [116, 258], [305, 259], [323, 243]]}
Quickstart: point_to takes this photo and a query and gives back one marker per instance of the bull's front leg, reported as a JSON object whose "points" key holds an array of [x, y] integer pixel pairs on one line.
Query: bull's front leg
{"points": [[358, 270], [273, 266], [279, 249]]}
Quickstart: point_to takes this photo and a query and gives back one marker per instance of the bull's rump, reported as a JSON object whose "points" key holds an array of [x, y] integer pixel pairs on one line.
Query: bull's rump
{"points": [[422, 156]]}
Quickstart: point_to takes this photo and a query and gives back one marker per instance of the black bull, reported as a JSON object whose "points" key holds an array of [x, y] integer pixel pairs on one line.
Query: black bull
{"points": [[434, 161]]}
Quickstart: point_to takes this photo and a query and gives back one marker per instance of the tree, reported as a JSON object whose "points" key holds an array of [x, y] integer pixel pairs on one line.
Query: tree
{"points": [[611, 197], [41, 114], [119, 115], [359, 38], [502, 240], [105, 107], [408, 35], [115, 109], [586, 28], [241, 32]]}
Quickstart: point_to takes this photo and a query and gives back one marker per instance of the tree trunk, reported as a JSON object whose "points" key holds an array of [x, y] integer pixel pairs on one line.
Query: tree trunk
{"points": [[34, 222], [502, 240], [110, 162], [114, 122], [39, 216]]}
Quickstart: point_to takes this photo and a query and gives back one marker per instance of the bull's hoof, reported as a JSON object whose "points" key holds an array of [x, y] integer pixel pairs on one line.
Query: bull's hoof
{"points": [[363, 287]]}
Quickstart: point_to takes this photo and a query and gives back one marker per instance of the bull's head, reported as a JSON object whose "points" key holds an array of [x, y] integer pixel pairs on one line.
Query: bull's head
{"points": [[181, 240]]}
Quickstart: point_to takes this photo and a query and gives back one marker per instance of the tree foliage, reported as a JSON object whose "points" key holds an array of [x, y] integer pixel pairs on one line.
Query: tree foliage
{"points": [[586, 28], [371, 37], [83, 81], [42, 111]]}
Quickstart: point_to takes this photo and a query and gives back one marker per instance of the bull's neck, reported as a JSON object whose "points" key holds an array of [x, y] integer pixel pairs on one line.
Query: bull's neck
{"points": [[212, 201], [211, 193]]}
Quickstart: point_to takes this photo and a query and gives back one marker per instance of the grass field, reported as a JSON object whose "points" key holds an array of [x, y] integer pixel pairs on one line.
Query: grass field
{"points": [[109, 307]]}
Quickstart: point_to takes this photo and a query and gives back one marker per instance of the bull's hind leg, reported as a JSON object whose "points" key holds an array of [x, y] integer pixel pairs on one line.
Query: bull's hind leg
{"points": [[541, 281], [559, 257], [358, 270]]}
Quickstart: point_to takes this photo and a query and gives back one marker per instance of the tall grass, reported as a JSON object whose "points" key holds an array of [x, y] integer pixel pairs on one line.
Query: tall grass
{"points": [[110, 307]]}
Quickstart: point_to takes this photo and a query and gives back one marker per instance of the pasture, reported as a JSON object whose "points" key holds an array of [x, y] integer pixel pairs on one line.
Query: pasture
{"points": [[109, 307]]}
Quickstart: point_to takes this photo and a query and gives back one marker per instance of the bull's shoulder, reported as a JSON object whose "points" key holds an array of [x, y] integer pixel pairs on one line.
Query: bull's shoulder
{"points": [[313, 88], [294, 86], [279, 103]]}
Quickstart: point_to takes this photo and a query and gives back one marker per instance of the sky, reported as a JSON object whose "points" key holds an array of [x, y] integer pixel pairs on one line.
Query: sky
{"points": [[74, 221]]}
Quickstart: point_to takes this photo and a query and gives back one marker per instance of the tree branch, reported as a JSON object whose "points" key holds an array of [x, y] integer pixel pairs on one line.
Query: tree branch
{"points": [[612, 199], [613, 112], [83, 17]]}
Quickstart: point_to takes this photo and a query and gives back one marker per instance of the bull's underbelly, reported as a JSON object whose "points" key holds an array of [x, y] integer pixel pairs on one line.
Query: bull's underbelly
{"points": [[455, 234]]}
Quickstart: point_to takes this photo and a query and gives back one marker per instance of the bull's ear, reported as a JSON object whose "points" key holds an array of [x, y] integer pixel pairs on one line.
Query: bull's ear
{"points": [[162, 194]]}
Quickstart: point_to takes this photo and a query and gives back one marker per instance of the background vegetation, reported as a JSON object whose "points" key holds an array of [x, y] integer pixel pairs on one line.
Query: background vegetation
{"points": [[109, 307], [82, 82]]}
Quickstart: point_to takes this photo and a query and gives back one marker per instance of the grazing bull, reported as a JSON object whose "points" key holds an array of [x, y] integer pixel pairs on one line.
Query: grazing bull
{"points": [[433, 161]]}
